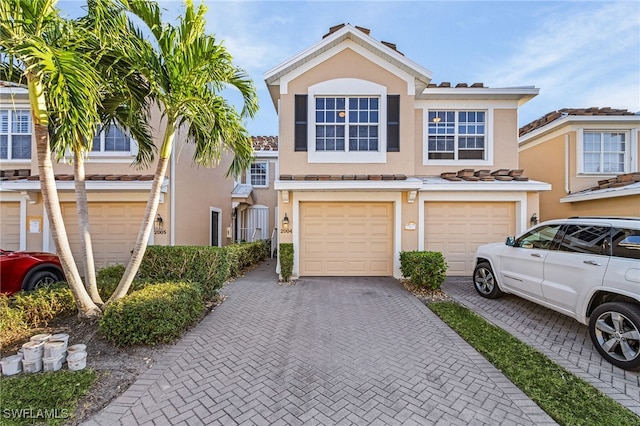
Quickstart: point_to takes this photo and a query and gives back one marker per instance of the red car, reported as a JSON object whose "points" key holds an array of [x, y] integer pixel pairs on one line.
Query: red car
{"points": [[24, 270]]}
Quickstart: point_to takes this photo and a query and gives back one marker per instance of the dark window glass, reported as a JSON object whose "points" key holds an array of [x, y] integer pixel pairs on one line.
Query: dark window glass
{"points": [[543, 237], [626, 243], [591, 239]]}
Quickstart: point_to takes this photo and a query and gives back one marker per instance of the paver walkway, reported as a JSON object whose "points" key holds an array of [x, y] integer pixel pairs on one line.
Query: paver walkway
{"points": [[327, 351], [559, 337]]}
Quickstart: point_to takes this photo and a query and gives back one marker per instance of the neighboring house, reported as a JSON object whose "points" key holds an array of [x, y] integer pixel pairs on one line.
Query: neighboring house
{"points": [[197, 207], [375, 159], [590, 156]]}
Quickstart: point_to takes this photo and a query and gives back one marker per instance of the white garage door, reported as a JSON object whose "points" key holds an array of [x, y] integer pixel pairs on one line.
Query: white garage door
{"points": [[346, 239], [10, 226], [457, 229], [114, 228]]}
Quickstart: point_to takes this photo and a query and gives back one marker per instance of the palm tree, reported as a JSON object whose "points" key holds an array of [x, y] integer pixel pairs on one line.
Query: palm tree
{"points": [[187, 69], [60, 77], [124, 101]]}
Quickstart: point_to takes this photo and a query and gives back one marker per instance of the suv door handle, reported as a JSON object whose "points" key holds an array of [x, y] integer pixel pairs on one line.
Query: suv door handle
{"points": [[592, 262], [536, 255]]}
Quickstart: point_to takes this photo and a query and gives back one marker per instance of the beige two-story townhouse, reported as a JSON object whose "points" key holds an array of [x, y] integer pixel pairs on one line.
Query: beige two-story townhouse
{"points": [[376, 159], [590, 156], [198, 206]]}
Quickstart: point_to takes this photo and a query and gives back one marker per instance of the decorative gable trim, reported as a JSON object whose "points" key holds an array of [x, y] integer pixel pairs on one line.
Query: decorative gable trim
{"points": [[417, 77]]}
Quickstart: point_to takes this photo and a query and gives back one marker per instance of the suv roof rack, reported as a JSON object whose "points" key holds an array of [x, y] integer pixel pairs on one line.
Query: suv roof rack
{"points": [[606, 217]]}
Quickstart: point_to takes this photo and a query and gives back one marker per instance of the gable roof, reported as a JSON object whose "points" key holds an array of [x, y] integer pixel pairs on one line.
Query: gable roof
{"points": [[555, 116], [360, 36]]}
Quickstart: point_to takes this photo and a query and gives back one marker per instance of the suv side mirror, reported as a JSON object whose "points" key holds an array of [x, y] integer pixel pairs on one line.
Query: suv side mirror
{"points": [[511, 241]]}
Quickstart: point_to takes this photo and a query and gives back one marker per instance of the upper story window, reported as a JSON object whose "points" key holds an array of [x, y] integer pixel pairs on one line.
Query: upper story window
{"points": [[349, 121], [259, 174], [113, 141], [604, 152], [357, 117], [15, 134], [456, 135]]}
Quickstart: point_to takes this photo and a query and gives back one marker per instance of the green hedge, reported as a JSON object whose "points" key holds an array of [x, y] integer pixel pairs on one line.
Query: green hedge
{"points": [[24, 311], [156, 314], [243, 255], [425, 269], [207, 266], [285, 255]]}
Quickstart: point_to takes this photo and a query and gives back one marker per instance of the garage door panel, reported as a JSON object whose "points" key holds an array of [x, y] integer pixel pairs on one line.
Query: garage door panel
{"points": [[457, 229], [10, 226], [354, 238], [114, 229]]}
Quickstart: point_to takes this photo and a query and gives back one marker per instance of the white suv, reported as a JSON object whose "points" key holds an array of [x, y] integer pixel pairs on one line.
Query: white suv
{"points": [[585, 267]]}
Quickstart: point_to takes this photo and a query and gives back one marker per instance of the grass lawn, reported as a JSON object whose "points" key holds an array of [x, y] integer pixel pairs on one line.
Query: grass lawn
{"points": [[42, 398], [565, 397]]}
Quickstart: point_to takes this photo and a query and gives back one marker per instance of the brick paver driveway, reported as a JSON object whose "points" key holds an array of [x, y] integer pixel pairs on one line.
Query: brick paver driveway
{"points": [[559, 337], [327, 351]]}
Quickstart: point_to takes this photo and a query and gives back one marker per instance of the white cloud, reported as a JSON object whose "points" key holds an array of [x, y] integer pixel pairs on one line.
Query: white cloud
{"points": [[574, 55]]}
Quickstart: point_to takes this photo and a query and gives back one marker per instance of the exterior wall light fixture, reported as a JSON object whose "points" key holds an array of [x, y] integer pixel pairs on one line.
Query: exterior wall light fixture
{"points": [[534, 219], [285, 224], [158, 225]]}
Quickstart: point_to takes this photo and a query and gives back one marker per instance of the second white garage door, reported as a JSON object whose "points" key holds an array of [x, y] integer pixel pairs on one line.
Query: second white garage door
{"points": [[114, 229], [349, 239], [457, 229]]}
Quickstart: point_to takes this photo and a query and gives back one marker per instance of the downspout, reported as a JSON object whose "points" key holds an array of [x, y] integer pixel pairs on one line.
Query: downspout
{"points": [[172, 198], [567, 163]]}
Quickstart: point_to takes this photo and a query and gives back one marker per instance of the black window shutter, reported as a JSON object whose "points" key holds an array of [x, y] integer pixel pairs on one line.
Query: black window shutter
{"points": [[393, 123], [300, 138]]}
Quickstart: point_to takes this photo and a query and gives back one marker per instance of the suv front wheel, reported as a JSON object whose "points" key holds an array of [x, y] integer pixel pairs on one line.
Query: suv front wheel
{"points": [[485, 282], [615, 331]]}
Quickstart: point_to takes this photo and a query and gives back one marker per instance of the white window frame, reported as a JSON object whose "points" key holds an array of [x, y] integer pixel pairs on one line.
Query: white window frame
{"points": [[266, 174], [347, 87], [132, 152], [629, 151], [488, 136], [10, 134]]}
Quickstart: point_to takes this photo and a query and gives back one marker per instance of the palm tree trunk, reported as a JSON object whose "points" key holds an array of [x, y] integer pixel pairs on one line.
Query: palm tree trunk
{"points": [[86, 245], [86, 308], [149, 216]]}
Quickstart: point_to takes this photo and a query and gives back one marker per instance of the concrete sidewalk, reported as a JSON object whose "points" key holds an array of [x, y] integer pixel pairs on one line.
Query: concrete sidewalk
{"points": [[327, 351]]}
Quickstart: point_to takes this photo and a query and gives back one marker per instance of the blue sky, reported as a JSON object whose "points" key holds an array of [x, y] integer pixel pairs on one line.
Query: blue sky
{"points": [[579, 53]]}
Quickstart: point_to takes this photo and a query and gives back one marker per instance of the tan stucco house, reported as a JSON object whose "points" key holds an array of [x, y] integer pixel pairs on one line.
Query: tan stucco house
{"points": [[375, 159], [198, 206], [590, 156]]}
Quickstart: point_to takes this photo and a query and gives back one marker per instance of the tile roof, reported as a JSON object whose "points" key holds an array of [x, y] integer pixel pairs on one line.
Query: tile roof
{"points": [[554, 115], [446, 84], [503, 175], [25, 174], [616, 182], [344, 177], [265, 143]]}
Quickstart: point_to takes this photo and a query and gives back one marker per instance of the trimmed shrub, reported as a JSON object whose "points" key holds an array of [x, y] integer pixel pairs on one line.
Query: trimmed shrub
{"points": [[44, 304], [22, 312], [113, 272], [156, 314], [207, 266], [425, 269], [12, 324], [285, 255], [243, 255], [109, 277]]}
